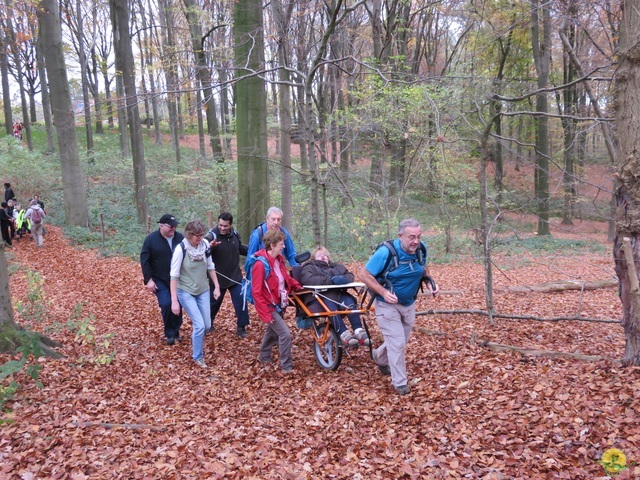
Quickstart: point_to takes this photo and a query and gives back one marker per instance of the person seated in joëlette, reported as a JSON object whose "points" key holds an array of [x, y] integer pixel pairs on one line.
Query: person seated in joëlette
{"points": [[320, 270]]}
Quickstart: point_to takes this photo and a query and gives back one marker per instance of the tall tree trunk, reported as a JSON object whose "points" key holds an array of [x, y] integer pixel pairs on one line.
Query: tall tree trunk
{"points": [[224, 109], [46, 101], [6, 92], [166, 23], [484, 236], [300, 94], [18, 64], [251, 116], [143, 86], [95, 72], [334, 15], [204, 76], [505, 49], [542, 59], [32, 106], [150, 58], [107, 95], [627, 101], [570, 109], [73, 180], [84, 79], [124, 64], [344, 149], [281, 17], [6, 309], [199, 104], [123, 122], [604, 126]]}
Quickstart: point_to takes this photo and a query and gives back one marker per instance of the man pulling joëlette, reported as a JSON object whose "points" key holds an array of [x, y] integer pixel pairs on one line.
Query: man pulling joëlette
{"points": [[395, 300]]}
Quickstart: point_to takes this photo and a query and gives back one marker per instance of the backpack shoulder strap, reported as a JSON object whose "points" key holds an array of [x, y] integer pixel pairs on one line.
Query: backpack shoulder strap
{"points": [[260, 232], [382, 277], [267, 267], [421, 254], [393, 255]]}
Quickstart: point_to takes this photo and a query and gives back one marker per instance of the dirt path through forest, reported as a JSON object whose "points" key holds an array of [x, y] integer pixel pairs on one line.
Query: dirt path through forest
{"points": [[472, 413]]}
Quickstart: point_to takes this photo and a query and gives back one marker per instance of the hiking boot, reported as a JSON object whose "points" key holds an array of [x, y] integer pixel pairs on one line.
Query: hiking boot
{"points": [[200, 363], [384, 369], [171, 340], [179, 338], [362, 337], [264, 362], [403, 389], [348, 339], [241, 332]]}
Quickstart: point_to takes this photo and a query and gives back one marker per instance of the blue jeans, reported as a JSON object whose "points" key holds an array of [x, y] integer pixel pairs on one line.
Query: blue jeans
{"points": [[242, 314], [197, 307]]}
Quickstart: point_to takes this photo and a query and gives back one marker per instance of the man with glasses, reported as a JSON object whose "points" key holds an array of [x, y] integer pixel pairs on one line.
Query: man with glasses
{"points": [[395, 297], [155, 260]]}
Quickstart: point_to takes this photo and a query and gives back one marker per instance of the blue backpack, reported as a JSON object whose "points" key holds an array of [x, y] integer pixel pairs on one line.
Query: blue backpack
{"points": [[247, 295]]}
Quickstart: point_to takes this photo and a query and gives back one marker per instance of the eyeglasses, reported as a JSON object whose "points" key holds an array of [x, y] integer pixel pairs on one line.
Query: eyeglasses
{"points": [[197, 235], [166, 225]]}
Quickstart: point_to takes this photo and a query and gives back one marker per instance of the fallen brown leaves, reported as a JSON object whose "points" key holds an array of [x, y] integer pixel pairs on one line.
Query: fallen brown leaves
{"points": [[472, 412]]}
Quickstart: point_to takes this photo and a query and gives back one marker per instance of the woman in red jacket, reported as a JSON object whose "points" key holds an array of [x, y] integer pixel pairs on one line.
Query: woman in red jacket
{"points": [[271, 297]]}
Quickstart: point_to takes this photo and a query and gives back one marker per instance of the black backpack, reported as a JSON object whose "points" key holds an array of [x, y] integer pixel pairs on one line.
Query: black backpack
{"points": [[393, 262], [260, 232]]}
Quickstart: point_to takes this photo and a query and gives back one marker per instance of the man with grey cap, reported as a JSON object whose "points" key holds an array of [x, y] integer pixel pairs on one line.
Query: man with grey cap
{"points": [[155, 260]]}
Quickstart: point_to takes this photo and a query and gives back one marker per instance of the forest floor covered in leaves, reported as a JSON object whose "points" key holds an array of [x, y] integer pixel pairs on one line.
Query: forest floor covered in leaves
{"points": [[472, 412]]}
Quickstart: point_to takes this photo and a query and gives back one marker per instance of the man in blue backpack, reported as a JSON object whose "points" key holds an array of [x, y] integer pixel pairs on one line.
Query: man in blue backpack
{"points": [[273, 222], [394, 273]]}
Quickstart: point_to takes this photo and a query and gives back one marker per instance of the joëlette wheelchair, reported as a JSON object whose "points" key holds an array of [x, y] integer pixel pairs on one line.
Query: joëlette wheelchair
{"points": [[327, 345]]}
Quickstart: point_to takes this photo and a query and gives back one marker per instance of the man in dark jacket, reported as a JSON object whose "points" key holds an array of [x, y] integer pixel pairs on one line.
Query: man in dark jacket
{"points": [[8, 192], [226, 249], [5, 224], [155, 260]]}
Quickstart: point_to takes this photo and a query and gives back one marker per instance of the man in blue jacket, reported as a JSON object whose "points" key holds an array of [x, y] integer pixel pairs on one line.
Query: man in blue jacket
{"points": [[395, 285], [155, 260], [273, 222]]}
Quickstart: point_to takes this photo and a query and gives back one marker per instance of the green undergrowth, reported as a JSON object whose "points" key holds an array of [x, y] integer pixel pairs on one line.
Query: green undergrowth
{"points": [[195, 186]]}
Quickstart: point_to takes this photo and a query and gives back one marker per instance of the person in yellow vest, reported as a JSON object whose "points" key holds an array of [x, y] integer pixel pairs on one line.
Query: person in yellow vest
{"points": [[22, 223]]}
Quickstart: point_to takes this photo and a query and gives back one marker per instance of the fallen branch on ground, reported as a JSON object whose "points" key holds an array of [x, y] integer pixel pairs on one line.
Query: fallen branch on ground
{"points": [[531, 352], [562, 285], [441, 292], [528, 352], [517, 317], [430, 332]]}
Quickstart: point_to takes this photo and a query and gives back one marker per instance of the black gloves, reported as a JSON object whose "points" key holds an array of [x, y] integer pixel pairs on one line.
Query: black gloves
{"points": [[429, 281], [339, 280]]}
